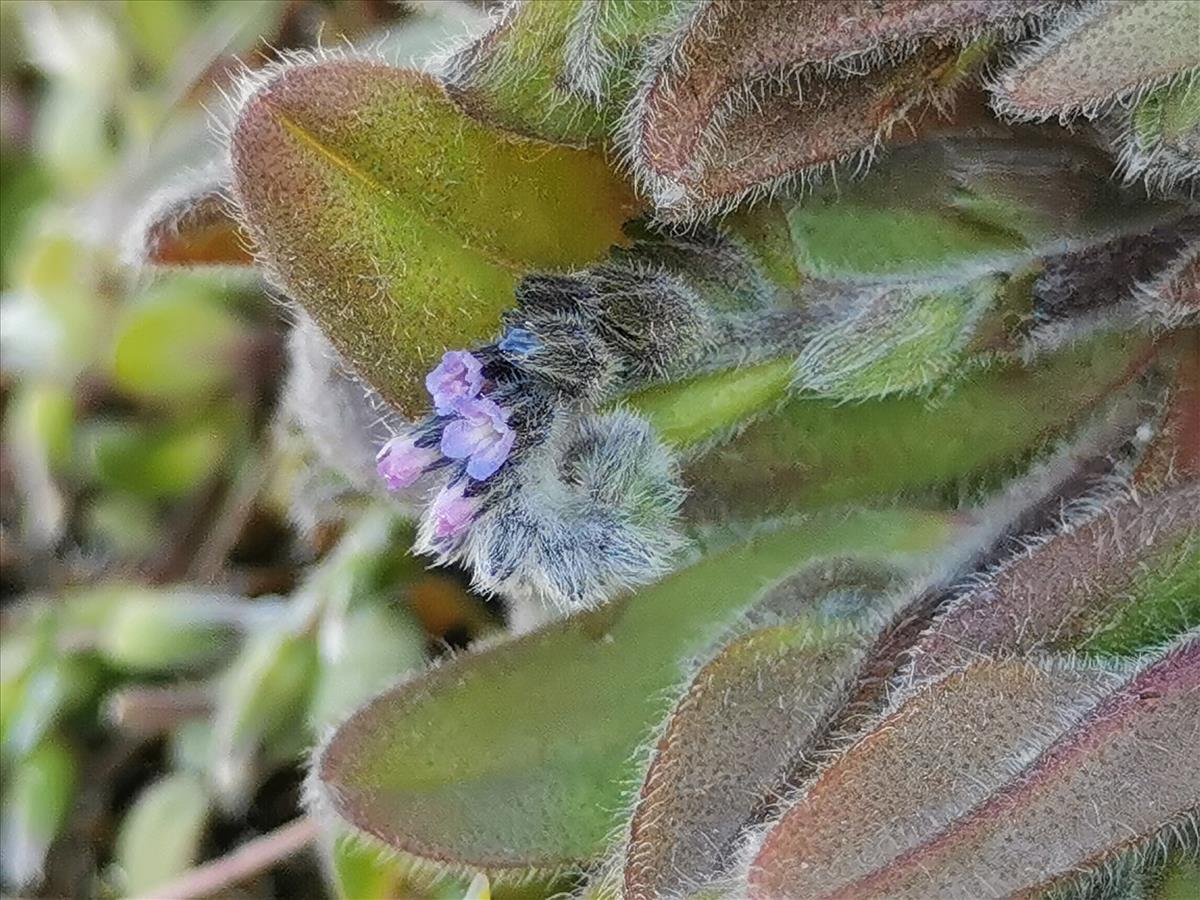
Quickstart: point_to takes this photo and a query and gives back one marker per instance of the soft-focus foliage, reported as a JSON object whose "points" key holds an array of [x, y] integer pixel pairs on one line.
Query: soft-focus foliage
{"points": [[801, 401]]}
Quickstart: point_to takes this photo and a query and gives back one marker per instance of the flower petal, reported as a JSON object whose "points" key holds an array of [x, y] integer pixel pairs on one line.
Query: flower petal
{"points": [[483, 464], [458, 376], [461, 438]]}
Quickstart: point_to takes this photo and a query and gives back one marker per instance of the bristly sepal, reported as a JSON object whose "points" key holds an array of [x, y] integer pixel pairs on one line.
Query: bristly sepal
{"points": [[589, 513], [1157, 140]]}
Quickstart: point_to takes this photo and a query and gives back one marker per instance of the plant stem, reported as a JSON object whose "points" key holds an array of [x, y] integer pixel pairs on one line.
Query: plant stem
{"points": [[238, 865]]}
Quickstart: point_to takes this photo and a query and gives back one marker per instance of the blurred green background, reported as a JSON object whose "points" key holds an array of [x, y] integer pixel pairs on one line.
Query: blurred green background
{"points": [[181, 582]]}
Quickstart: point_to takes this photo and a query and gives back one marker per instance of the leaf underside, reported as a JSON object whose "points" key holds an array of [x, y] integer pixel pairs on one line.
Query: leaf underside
{"points": [[1017, 775]]}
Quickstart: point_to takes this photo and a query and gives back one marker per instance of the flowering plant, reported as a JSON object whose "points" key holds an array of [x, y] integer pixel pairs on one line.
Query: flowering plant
{"points": [[818, 398]]}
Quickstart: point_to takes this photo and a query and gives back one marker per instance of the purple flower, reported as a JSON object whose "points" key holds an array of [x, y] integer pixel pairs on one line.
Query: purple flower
{"points": [[458, 376], [481, 435], [400, 461], [452, 512]]}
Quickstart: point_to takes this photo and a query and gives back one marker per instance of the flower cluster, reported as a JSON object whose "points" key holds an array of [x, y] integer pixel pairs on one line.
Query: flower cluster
{"points": [[470, 428]]}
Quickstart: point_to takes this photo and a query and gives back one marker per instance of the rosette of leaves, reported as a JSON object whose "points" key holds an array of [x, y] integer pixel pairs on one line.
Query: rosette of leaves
{"points": [[769, 342]]}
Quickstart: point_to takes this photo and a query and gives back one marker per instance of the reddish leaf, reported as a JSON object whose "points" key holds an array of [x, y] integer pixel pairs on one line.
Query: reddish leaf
{"points": [[1065, 591], [745, 717], [192, 227], [743, 82], [1007, 778], [1105, 53], [1174, 453]]}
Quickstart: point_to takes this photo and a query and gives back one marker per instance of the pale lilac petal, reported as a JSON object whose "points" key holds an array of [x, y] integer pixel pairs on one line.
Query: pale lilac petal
{"points": [[481, 409], [481, 435], [461, 438], [484, 463], [459, 376], [400, 462], [452, 512]]}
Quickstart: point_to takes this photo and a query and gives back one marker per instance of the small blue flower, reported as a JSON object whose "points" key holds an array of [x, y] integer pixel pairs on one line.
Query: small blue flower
{"points": [[459, 376], [518, 342], [481, 435]]}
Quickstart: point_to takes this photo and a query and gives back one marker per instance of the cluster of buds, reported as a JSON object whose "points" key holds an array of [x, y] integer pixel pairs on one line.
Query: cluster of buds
{"points": [[542, 493], [469, 428]]}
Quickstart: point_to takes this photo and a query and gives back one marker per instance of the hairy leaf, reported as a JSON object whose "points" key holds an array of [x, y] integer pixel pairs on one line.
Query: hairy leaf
{"points": [[983, 203], [745, 717], [1123, 580], [192, 226], [799, 135], [1173, 297], [1013, 775], [897, 340], [1159, 138], [400, 224], [814, 452], [1104, 53], [488, 763], [735, 100], [559, 71], [1174, 453]]}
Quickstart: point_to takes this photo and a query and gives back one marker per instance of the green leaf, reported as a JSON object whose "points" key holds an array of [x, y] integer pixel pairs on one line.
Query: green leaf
{"points": [[488, 763], [38, 794], [1169, 115], [685, 413], [126, 525], [558, 71], [155, 461], [176, 345], [160, 29], [893, 339], [40, 420], [989, 204], [899, 341], [744, 720], [54, 326], [46, 690], [815, 452], [1159, 138], [260, 708], [155, 631], [160, 836], [72, 140], [362, 652], [1018, 775], [401, 224], [362, 872], [1180, 881]]}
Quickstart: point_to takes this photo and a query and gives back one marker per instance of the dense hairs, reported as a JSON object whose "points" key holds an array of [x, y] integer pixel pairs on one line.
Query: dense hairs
{"points": [[591, 512], [343, 419]]}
